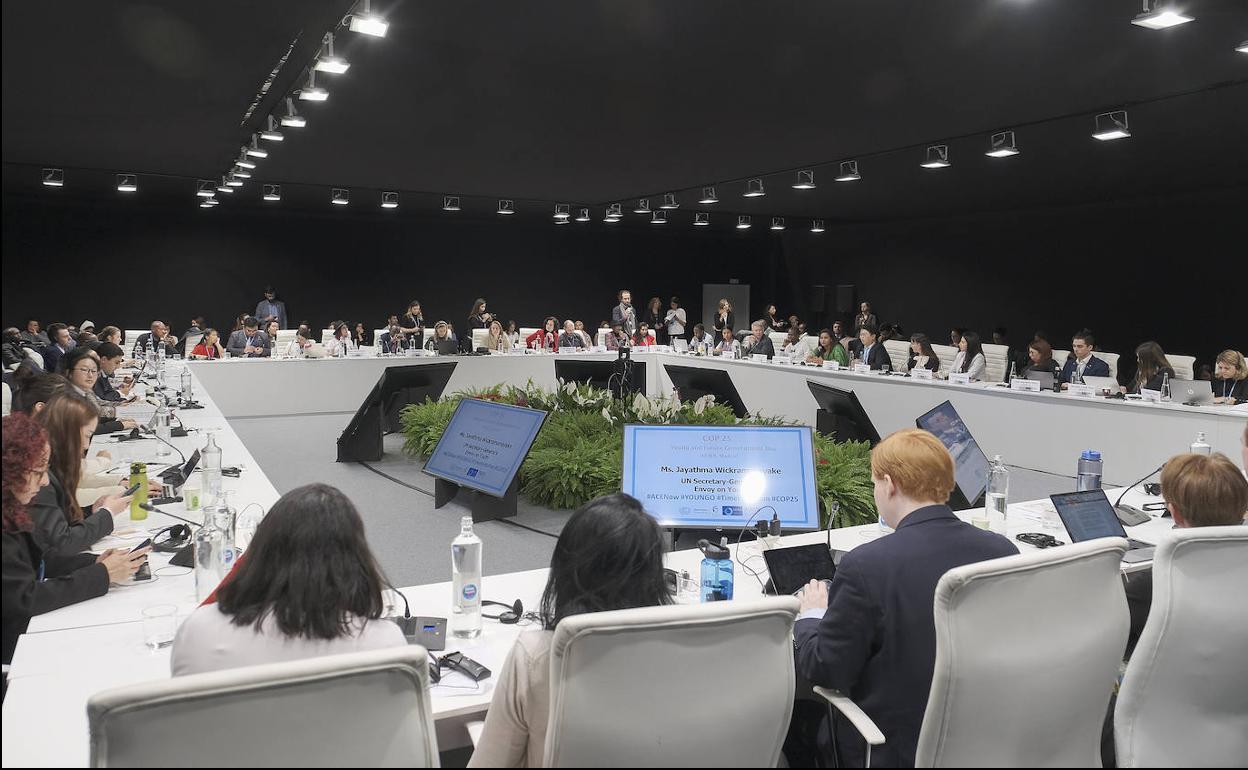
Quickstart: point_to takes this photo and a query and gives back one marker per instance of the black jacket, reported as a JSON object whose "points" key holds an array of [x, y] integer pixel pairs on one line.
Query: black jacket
{"points": [[731, 323], [877, 640], [933, 362], [66, 580], [105, 390], [763, 346], [1051, 368], [1154, 382], [1236, 389], [57, 535], [879, 356]]}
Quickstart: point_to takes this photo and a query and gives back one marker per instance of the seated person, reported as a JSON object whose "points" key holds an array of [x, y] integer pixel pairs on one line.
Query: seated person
{"points": [[34, 336], [829, 349], [970, 358], [1040, 358], [54, 351], [609, 557], [249, 341], [309, 586], [793, 344], [395, 340], [617, 339], [728, 344], [305, 344], [110, 357], [545, 338], [569, 338], [38, 580], [441, 341], [209, 346], [872, 635], [270, 331], [1152, 368], [700, 334], [496, 340], [872, 352], [922, 356], [82, 369], [158, 336], [580, 330], [1230, 384], [340, 341], [1081, 362], [14, 348], [758, 343], [642, 338], [1200, 491]]}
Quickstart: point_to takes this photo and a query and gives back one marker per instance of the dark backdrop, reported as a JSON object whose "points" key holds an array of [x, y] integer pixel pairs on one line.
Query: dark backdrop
{"points": [[1170, 269]]}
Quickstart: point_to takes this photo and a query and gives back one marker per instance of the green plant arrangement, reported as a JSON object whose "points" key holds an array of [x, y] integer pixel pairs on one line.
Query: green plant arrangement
{"points": [[577, 455]]}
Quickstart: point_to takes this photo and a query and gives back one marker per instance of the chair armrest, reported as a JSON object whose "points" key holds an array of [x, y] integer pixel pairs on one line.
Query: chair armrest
{"points": [[474, 732], [856, 716]]}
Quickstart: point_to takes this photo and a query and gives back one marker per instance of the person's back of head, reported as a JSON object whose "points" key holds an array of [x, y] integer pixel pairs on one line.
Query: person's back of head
{"points": [[609, 557], [910, 468], [1204, 490], [308, 568], [65, 416], [32, 388], [109, 350]]}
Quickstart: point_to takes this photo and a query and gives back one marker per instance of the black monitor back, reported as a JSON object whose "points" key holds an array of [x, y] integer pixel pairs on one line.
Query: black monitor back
{"points": [[850, 421], [600, 373], [397, 387], [694, 382]]}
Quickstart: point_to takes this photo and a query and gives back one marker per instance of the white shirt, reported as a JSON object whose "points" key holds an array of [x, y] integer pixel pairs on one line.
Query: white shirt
{"points": [[337, 347], [514, 734], [977, 367], [209, 641], [676, 321]]}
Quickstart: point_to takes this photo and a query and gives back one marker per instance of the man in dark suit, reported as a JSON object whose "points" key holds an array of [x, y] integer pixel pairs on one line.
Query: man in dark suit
{"points": [[873, 351], [872, 634], [111, 357], [159, 335], [758, 342], [623, 313], [59, 345], [249, 341], [1081, 362], [271, 309]]}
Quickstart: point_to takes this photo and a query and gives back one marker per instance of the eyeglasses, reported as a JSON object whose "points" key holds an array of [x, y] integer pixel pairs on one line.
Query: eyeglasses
{"points": [[86, 371]]}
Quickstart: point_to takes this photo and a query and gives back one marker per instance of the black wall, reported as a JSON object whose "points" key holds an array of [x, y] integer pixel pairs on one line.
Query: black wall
{"points": [[1170, 269]]}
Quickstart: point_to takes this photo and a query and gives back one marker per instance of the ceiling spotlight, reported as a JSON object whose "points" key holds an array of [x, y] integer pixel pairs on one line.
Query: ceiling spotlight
{"points": [[1242, 47], [669, 201], [643, 206], [816, 226], [292, 119], [127, 183], [366, 23], [658, 218], [54, 177], [1002, 145], [562, 211], [243, 160], [255, 150], [754, 188], [708, 196], [327, 62], [206, 205], [311, 92], [224, 187], [450, 203], [205, 188], [233, 181], [1111, 125], [270, 133], [777, 223], [1160, 16], [848, 171], [389, 200], [743, 222], [583, 215], [241, 173], [506, 206], [272, 192], [340, 196], [615, 212], [805, 180], [563, 221], [937, 156], [701, 219]]}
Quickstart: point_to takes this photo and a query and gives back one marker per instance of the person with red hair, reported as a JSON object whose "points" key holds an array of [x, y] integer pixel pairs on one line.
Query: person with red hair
{"points": [[34, 581]]}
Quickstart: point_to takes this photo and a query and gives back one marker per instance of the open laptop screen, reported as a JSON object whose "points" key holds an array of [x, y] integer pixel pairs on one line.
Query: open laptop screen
{"points": [[1087, 515]]}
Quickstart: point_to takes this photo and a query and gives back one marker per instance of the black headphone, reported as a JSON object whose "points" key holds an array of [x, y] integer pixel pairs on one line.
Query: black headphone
{"points": [[175, 538], [510, 617]]}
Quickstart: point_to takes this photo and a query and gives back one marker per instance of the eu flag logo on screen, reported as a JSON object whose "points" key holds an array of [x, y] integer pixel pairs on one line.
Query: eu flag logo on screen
{"points": [[732, 510], [473, 472]]}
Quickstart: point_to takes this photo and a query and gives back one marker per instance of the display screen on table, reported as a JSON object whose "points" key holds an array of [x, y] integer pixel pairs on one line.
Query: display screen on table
{"points": [[970, 466], [484, 444], [705, 477]]}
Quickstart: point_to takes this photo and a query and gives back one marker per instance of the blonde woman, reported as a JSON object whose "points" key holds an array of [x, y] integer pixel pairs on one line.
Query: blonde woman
{"points": [[1230, 378]]}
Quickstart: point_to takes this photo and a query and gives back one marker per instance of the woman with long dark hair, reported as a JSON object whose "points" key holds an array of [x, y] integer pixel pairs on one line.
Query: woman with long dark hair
{"points": [[829, 349], [308, 586], [545, 338], [1152, 367], [1040, 358], [970, 358], [656, 319], [609, 557], [37, 579], [922, 356]]}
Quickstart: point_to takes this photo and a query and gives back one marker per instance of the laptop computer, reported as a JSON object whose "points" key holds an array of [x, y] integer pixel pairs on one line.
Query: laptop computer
{"points": [[1102, 383], [1044, 378], [1089, 515], [1191, 392], [176, 475], [792, 568], [680, 345]]}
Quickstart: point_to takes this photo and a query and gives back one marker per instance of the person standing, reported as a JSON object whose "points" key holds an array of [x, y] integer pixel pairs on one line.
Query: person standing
{"points": [[271, 309], [724, 317], [623, 313], [654, 320], [865, 318], [676, 320], [413, 323]]}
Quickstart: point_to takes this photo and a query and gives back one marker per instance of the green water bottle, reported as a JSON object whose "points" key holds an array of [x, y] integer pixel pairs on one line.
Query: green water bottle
{"points": [[138, 475]]}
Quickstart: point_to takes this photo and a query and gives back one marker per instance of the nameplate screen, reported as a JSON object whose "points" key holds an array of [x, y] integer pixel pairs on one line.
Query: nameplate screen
{"points": [[921, 374], [960, 378], [1031, 386], [1086, 391]]}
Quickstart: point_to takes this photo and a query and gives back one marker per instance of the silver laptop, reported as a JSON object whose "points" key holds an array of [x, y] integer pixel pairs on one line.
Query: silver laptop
{"points": [[1192, 392], [1089, 515], [1102, 383], [1044, 378], [680, 345]]}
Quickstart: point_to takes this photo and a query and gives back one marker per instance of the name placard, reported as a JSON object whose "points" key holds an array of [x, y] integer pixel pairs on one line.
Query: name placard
{"points": [[921, 374], [1085, 391], [1030, 386], [862, 368], [1150, 395], [758, 356], [960, 378], [833, 365]]}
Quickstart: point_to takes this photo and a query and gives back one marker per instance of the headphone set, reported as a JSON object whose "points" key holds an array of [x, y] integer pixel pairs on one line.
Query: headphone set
{"points": [[171, 539], [513, 614]]}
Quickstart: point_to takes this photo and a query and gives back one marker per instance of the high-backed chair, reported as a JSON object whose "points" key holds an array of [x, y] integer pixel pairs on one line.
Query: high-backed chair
{"points": [[777, 339], [130, 337], [1184, 366], [1027, 653], [377, 334], [525, 331], [996, 361], [679, 686], [1059, 358], [946, 354], [368, 709], [326, 336], [478, 338], [190, 341], [1184, 698], [1111, 359], [899, 351]]}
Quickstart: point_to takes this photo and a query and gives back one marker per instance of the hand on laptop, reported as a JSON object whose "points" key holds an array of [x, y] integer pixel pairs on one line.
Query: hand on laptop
{"points": [[813, 597]]}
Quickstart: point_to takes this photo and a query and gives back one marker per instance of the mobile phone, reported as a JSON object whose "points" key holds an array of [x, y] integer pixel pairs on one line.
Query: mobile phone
{"points": [[142, 545], [144, 572], [133, 488]]}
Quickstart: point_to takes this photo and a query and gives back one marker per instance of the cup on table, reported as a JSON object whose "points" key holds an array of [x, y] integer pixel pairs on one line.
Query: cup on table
{"points": [[160, 623], [191, 495]]}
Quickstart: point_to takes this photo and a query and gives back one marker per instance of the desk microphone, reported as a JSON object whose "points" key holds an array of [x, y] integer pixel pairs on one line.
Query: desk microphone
{"points": [[156, 436], [153, 509], [1130, 515]]}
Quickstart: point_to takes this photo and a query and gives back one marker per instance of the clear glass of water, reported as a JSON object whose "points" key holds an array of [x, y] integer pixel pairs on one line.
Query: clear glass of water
{"points": [[160, 623], [884, 368]]}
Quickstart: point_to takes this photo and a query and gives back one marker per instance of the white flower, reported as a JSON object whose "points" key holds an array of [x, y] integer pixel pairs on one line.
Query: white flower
{"points": [[641, 404], [569, 388], [701, 404], [606, 415]]}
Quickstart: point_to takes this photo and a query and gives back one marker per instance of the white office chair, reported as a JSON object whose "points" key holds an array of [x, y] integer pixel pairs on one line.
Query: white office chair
{"points": [[525, 332], [946, 354], [190, 341], [996, 362], [8, 399], [478, 338], [326, 336], [131, 336], [1184, 366], [1111, 359], [1059, 358], [601, 337], [899, 352], [1184, 698], [680, 686], [1027, 652], [34, 355], [777, 339], [368, 709], [377, 334]]}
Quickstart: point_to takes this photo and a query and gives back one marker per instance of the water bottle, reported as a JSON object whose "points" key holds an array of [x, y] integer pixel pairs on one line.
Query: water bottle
{"points": [[1165, 386], [138, 475], [998, 491], [1010, 377], [716, 571], [188, 396], [210, 461], [245, 525], [225, 515], [213, 558], [163, 434], [1200, 446], [466, 582], [1090, 467]]}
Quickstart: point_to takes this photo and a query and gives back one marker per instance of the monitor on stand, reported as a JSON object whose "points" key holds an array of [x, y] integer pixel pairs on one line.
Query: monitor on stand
{"points": [[841, 414], [397, 387], [694, 382], [970, 466]]}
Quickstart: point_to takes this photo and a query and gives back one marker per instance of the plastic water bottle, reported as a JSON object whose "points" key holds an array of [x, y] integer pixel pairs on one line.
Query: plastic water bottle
{"points": [[213, 559], [1089, 473], [163, 433], [998, 491], [466, 582], [210, 461], [716, 571], [1165, 386], [138, 475], [226, 515], [245, 525], [188, 396], [1200, 446]]}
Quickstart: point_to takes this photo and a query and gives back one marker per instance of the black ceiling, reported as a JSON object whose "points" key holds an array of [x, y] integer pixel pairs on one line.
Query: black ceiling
{"points": [[601, 100]]}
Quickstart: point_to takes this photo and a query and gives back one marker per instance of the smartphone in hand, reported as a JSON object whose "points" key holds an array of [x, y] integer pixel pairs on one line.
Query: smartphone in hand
{"points": [[133, 488], [141, 546]]}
